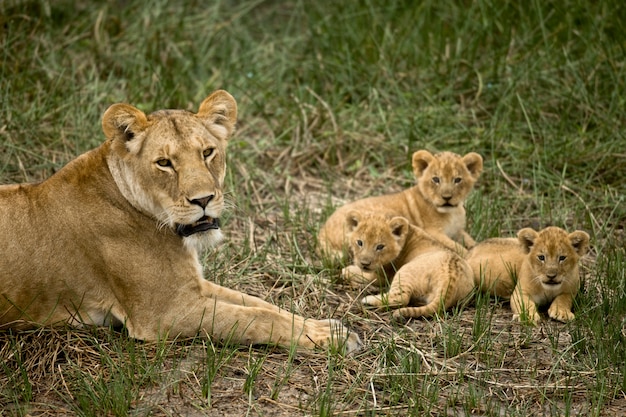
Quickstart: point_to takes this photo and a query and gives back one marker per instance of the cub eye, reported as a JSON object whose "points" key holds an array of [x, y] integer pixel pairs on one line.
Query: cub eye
{"points": [[436, 180], [380, 247], [562, 258], [208, 152], [164, 162], [541, 258], [359, 242], [458, 180]]}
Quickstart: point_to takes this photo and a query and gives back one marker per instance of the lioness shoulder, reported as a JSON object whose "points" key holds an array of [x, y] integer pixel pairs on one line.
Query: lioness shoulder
{"points": [[435, 203]]}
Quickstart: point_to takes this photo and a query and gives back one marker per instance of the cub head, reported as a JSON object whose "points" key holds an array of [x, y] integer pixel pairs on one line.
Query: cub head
{"points": [[446, 179], [171, 164], [554, 254], [375, 240]]}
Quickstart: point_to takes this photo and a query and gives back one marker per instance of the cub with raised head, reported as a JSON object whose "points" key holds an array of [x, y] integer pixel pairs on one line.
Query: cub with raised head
{"points": [[428, 274], [540, 269], [113, 237], [435, 203]]}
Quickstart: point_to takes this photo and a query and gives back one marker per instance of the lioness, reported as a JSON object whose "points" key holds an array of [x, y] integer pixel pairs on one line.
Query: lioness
{"points": [[540, 269], [435, 203], [113, 237], [428, 274]]}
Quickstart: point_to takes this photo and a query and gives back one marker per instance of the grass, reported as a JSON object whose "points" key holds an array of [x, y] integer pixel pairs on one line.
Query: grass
{"points": [[334, 97]]}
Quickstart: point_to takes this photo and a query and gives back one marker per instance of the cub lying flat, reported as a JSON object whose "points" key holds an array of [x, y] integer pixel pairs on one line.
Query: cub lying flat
{"points": [[435, 203], [427, 274], [545, 264], [113, 237]]}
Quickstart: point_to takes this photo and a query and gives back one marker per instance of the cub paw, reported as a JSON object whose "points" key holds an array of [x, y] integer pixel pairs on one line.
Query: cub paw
{"points": [[530, 318], [356, 277], [560, 314]]}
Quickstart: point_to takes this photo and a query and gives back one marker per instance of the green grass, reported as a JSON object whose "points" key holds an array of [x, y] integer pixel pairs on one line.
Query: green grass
{"points": [[334, 97]]}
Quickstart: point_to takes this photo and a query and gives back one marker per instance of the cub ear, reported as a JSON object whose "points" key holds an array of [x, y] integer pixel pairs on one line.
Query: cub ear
{"points": [[399, 228], [421, 160], [580, 241], [124, 122], [474, 164], [527, 238], [219, 111], [353, 218]]}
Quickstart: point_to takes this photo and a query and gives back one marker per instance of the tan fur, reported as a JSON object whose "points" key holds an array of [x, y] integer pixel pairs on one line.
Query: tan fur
{"points": [[113, 237], [428, 273], [435, 203], [510, 267], [495, 264]]}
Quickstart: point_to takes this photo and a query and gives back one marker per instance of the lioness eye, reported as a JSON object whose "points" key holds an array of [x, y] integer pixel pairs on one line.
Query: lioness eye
{"points": [[359, 242], [562, 258], [436, 180], [207, 152], [541, 258], [457, 180], [164, 162], [380, 247]]}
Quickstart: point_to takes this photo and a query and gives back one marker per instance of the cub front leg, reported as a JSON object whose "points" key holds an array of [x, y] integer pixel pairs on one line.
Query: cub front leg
{"points": [[524, 308], [561, 308], [356, 277]]}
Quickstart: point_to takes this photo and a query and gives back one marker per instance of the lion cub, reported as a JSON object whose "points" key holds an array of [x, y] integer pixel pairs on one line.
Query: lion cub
{"points": [[435, 203], [536, 269], [428, 273]]}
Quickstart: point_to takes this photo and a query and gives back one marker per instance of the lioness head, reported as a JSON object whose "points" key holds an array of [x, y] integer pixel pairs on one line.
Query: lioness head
{"points": [[171, 164], [553, 253], [446, 179], [375, 240]]}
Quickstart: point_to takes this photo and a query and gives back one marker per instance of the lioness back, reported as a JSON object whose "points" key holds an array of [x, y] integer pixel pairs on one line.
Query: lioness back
{"points": [[435, 203]]}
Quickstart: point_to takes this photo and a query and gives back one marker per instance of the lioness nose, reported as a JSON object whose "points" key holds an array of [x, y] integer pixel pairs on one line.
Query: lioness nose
{"points": [[203, 201]]}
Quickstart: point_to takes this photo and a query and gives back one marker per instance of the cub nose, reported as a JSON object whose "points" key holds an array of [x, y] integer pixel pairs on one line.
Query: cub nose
{"points": [[203, 201], [365, 264], [551, 275]]}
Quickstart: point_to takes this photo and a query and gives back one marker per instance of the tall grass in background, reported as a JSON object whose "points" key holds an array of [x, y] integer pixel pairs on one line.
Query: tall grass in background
{"points": [[334, 97]]}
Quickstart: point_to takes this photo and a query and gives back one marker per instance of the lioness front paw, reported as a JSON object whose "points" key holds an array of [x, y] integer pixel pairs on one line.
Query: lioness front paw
{"points": [[561, 314], [331, 332]]}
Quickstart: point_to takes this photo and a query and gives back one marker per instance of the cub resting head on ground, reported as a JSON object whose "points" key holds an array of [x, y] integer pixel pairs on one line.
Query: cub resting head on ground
{"points": [[435, 203], [113, 237], [536, 269], [428, 274]]}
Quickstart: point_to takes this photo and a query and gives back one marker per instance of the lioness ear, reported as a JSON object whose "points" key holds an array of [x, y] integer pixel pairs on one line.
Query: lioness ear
{"points": [[124, 122], [421, 160], [352, 219], [474, 164], [399, 228], [580, 241], [219, 110], [527, 238]]}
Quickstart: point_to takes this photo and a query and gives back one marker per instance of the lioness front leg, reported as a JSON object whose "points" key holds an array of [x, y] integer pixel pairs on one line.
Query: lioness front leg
{"points": [[217, 292], [561, 308], [188, 315], [524, 307], [256, 325]]}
